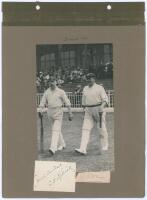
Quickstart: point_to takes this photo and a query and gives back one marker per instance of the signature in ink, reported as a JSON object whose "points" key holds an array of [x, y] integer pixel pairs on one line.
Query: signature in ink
{"points": [[74, 38], [59, 172]]}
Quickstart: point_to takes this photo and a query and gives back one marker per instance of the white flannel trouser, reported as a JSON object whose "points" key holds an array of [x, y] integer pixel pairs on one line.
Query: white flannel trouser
{"points": [[91, 117], [55, 116]]}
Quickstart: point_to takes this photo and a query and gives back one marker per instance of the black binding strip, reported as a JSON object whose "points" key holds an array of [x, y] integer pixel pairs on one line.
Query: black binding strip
{"points": [[75, 14]]}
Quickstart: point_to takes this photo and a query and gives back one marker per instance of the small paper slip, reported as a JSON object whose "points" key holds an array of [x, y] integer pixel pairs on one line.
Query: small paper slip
{"points": [[94, 177], [54, 176]]}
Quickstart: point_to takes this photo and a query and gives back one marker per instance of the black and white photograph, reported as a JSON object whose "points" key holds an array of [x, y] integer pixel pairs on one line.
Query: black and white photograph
{"points": [[75, 105]]}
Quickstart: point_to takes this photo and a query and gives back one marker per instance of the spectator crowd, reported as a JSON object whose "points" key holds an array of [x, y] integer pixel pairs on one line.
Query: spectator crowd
{"points": [[69, 75]]}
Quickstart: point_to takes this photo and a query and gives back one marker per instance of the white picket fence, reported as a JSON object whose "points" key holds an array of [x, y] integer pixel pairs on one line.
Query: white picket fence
{"points": [[76, 99]]}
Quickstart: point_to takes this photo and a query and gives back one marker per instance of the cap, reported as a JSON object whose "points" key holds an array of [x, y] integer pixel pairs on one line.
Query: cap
{"points": [[91, 75], [52, 79]]}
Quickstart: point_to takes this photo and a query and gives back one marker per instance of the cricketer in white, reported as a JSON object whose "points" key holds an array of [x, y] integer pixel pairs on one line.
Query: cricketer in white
{"points": [[94, 100], [54, 98]]}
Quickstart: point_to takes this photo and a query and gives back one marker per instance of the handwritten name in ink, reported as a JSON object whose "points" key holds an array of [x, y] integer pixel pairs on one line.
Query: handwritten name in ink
{"points": [[75, 38], [58, 172]]}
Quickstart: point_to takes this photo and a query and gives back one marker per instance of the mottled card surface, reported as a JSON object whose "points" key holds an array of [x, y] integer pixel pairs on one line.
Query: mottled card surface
{"points": [[68, 41], [54, 176]]}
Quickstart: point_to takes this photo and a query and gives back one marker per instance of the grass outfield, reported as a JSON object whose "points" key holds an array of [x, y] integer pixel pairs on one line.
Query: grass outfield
{"points": [[72, 136]]}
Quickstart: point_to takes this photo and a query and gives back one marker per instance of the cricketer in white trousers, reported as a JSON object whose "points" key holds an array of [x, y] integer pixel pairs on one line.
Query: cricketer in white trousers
{"points": [[92, 96], [54, 100]]}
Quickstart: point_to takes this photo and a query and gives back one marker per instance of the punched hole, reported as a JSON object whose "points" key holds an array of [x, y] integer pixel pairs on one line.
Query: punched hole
{"points": [[37, 7], [109, 7]]}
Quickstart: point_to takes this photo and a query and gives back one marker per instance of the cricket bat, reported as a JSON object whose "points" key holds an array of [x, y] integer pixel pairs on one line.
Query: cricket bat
{"points": [[100, 117], [41, 131]]}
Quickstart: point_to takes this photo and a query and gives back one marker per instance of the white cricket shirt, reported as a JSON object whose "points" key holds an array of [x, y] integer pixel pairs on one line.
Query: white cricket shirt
{"points": [[94, 95], [54, 98]]}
